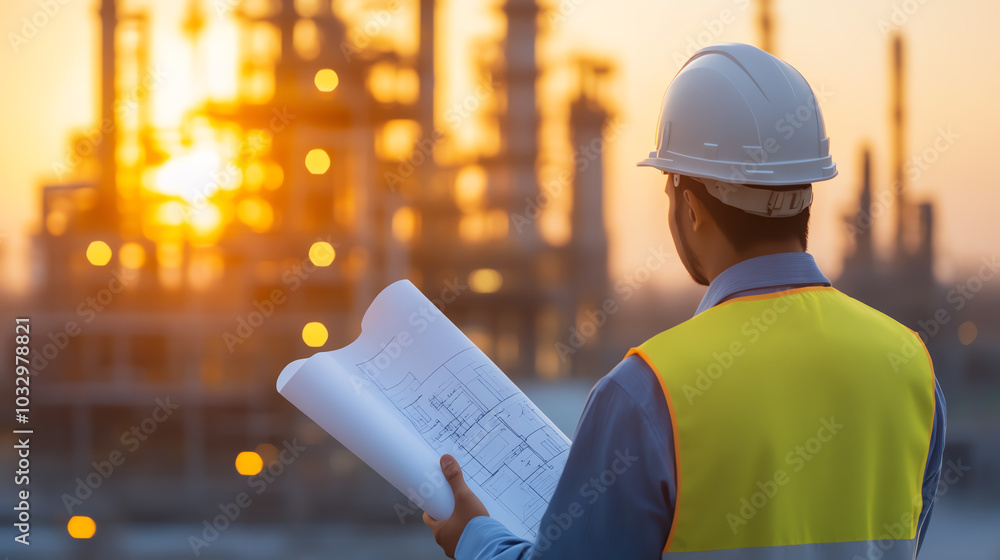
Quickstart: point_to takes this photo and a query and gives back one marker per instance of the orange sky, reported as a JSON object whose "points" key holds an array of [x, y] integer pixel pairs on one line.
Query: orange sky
{"points": [[953, 79]]}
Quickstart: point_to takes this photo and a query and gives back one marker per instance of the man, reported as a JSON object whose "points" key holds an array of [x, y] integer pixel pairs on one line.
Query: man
{"points": [[772, 424]]}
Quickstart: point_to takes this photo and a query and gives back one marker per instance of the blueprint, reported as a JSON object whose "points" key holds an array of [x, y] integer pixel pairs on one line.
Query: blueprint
{"points": [[413, 387]]}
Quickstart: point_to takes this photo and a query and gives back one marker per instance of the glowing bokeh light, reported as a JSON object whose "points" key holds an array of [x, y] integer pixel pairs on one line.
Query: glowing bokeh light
{"points": [[256, 213], [326, 80], [98, 253], [485, 280], [132, 255], [273, 175], [322, 253], [249, 463], [314, 334], [397, 138], [170, 213], [81, 527], [317, 161], [205, 269], [306, 37], [470, 186], [268, 453], [967, 333], [253, 176], [404, 223], [206, 221], [56, 223]]}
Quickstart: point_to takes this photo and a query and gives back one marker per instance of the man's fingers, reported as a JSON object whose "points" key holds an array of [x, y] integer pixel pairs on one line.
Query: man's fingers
{"points": [[452, 472], [429, 521]]}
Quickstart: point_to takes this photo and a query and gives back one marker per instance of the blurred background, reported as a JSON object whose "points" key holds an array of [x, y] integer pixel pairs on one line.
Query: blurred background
{"points": [[196, 192]]}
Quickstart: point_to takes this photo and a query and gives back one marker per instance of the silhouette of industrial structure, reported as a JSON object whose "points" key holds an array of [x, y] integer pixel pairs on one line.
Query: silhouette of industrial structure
{"points": [[333, 141], [908, 276], [904, 287], [213, 270]]}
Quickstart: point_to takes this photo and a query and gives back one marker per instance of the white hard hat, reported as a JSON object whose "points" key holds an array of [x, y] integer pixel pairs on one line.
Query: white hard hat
{"points": [[735, 115]]}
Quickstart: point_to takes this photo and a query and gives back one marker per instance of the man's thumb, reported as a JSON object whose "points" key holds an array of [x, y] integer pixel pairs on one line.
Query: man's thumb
{"points": [[452, 472]]}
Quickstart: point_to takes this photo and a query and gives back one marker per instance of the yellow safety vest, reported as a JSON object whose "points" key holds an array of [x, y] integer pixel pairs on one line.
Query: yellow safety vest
{"points": [[802, 423]]}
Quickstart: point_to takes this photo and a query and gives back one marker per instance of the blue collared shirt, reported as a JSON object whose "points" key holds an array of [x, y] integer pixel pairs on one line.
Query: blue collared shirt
{"points": [[616, 496]]}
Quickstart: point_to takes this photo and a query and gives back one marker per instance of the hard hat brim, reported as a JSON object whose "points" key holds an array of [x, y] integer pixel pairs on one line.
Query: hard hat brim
{"points": [[745, 174], [737, 114]]}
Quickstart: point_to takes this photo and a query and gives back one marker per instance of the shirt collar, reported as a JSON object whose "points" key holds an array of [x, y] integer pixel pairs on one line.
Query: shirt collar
{"points": [[784, 270]]}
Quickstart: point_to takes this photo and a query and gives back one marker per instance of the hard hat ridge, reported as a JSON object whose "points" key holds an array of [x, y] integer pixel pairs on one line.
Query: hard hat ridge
{"points": [[738, 115]]}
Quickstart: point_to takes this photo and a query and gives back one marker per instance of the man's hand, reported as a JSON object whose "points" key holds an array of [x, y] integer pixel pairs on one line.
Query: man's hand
{"points": [[467, 506]]}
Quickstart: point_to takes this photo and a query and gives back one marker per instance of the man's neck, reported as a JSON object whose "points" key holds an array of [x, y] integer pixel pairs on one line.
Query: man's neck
{"points": [[730, 258]]}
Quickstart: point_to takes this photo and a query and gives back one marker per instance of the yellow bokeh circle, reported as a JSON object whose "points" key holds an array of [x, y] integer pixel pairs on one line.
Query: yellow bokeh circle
{"points": [[98, 253], [249, 463], [485, 280], [326, 80], [132, 255], [317, 161], [322, 253], [314, 334], [81, 527]]}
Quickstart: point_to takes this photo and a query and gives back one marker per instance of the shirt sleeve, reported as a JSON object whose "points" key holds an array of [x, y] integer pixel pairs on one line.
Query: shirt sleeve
{"points": [[932, 472], [615, 496]]}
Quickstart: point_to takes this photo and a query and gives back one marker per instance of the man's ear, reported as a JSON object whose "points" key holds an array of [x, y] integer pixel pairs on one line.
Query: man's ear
{"points": [[696, 211]]}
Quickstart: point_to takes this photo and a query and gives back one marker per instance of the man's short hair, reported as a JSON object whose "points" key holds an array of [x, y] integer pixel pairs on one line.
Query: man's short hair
{"points": [[742, 229]]}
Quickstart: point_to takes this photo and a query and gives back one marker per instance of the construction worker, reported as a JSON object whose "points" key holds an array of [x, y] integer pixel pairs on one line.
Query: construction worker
{"points": [[781, 420]]}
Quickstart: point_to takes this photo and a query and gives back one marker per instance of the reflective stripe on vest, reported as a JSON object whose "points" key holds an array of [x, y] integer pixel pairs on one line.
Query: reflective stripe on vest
{"points": [[802, 424]]}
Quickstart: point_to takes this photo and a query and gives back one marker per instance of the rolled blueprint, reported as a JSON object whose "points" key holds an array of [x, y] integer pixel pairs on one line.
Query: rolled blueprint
{"points": [[340, 405], [411, 388]]}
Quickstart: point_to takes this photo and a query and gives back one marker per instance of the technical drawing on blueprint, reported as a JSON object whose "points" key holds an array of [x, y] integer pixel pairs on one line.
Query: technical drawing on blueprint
{"points": [[507, 449], [428, 390]]}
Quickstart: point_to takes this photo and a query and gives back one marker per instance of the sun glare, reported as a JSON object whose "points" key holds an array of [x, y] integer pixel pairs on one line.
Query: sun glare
{"points": [[194, 175]]}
